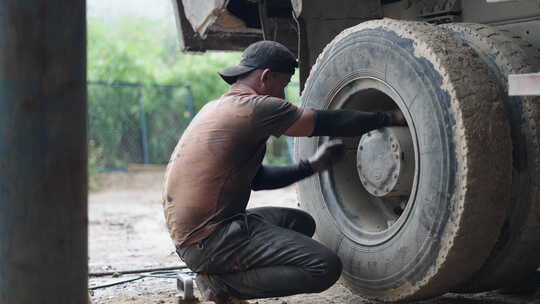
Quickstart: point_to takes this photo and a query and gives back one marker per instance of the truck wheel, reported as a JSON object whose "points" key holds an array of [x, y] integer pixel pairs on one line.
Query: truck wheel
{"points": [[517, 253], [412, 212]]}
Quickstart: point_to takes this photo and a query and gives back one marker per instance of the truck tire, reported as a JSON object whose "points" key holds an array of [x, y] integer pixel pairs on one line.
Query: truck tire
{"points": [[517, 252], [423, 243]]}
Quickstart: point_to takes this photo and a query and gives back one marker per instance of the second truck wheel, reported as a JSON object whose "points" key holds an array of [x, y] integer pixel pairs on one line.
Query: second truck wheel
{"points": [[517, 253]]}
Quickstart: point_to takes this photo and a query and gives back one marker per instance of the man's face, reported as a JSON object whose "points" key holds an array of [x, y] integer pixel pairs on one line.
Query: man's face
{"points": [[276, 83]]}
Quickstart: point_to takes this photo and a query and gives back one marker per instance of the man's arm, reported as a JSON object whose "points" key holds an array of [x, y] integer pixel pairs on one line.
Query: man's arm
{"points": [[273, 177], [304, 125], [343, 123]]}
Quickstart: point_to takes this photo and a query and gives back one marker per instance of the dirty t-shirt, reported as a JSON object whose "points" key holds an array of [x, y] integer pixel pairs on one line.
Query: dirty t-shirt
{"points": [[209, 176]]}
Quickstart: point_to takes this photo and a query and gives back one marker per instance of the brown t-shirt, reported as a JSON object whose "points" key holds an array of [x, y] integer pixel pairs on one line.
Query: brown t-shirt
{"points": [[209, 176]]}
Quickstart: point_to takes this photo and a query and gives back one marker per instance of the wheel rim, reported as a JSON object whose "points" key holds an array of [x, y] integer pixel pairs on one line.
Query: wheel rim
{"points": [[385, 163], [370, 219]]}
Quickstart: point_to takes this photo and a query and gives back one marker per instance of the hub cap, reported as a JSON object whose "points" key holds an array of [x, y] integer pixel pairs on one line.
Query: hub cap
{"points": [[385, 162]]}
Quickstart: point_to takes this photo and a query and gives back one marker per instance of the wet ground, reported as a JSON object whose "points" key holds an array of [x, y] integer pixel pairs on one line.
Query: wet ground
{"points": [[127, 232]]}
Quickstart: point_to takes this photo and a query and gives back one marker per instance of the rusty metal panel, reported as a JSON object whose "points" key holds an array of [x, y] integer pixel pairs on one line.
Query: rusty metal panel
{"points": [[227, 40], [43, 172], [202, 14], [524, 85]]}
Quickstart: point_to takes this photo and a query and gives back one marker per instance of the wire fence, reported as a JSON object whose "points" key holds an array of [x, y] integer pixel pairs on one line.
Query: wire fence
{"points": [[136, 123]]}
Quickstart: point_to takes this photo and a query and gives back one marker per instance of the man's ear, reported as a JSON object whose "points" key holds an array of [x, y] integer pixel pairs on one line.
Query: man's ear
{"points": [[265, 75]]}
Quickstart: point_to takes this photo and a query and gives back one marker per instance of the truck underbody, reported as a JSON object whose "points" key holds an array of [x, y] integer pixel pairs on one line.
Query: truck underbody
{"points": [[307, 28]]}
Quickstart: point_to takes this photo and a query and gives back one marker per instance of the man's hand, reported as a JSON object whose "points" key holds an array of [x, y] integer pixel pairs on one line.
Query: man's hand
{"points": [[396, 118], [327, 155]]}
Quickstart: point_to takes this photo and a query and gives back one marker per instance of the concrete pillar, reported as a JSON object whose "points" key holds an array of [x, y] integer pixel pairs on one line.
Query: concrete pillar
{"points": [[43, 175]]}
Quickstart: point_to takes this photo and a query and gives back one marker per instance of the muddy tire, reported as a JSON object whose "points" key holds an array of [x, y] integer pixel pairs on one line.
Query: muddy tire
{"points": [[517, 252], [450, 220]]}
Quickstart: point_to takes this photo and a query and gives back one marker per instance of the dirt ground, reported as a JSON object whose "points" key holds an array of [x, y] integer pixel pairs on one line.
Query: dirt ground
{"points": [[127, 231]]}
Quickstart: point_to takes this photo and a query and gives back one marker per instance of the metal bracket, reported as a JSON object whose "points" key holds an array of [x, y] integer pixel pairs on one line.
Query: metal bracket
{"points": [[524, 85]]}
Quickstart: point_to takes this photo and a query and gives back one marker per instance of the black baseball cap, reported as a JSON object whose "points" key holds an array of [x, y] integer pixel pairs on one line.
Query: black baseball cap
{"points": [[262, 55]]}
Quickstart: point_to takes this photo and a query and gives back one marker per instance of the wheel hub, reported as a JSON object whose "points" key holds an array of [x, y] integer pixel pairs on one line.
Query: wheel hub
{"points": [[385, 161]]}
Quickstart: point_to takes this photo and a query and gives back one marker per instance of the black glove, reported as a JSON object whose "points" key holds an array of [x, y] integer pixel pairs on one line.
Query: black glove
{"points": [[327, 155], [396, 118]]}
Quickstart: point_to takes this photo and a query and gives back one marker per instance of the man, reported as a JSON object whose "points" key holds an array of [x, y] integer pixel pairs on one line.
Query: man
{"points": [[261, 252]]}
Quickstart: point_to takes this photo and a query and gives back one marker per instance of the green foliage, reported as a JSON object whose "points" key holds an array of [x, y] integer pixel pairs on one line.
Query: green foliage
{"points": [[277, 152], [167, 115], [114, 125], [95, 157], [141, 50], [200, 72], [111, 58], [292, 91]]}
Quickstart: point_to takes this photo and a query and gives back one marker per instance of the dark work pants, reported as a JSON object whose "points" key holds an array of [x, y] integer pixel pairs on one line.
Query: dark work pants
{"points": [[267, 252]]}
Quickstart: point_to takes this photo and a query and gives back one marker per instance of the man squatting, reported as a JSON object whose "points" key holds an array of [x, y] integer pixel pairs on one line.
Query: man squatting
{"points": [[260, 252]]}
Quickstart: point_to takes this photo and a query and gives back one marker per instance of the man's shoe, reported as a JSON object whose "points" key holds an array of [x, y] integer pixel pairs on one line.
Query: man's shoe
{"points": [[205, 288], [209, 294]]}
